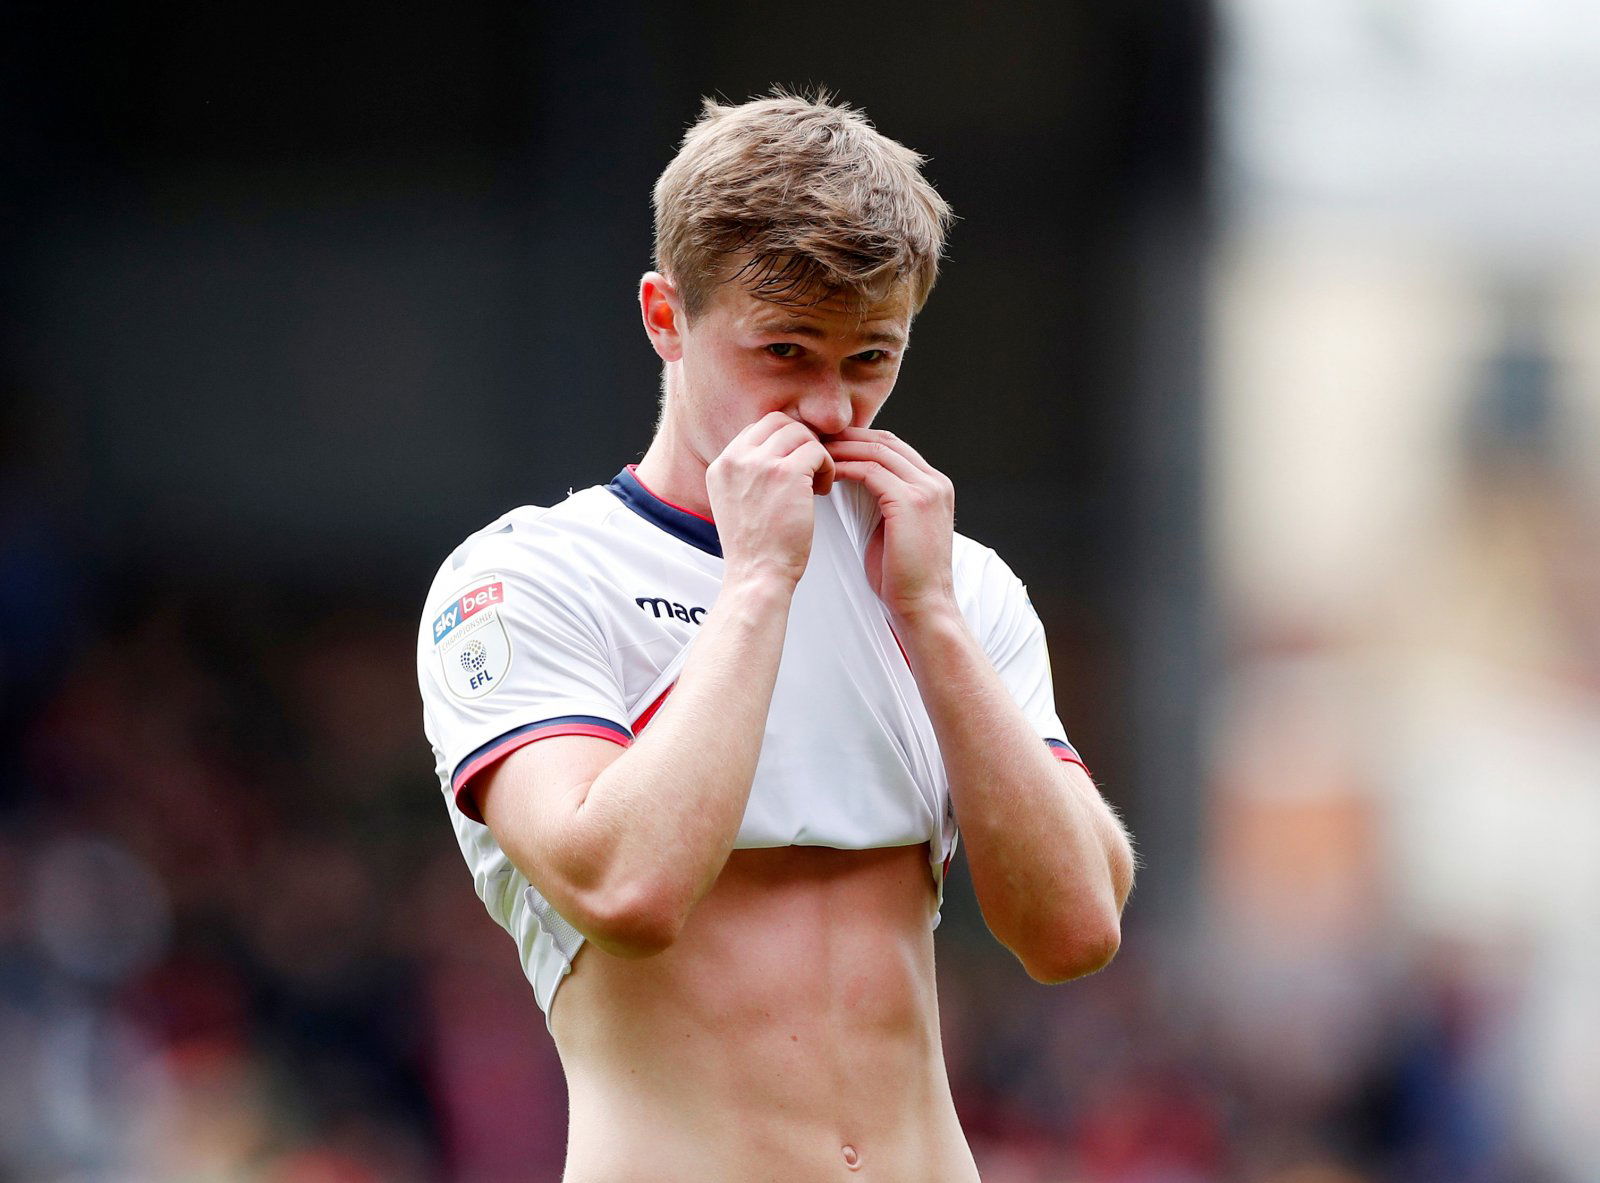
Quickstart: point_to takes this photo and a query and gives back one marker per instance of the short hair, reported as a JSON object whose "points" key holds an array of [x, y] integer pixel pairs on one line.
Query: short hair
{"points": [[806, 196]]}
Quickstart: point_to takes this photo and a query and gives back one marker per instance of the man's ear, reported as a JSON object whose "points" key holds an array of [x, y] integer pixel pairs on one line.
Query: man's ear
{"points": [[661, 308]]}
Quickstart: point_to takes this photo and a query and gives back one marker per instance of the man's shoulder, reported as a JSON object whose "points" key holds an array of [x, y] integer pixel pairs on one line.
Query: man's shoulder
{"points": [[539, 543], [973, 559], [530, 530], [986, 586]]}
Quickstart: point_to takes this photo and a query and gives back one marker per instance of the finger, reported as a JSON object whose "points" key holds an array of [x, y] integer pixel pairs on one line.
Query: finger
{"points": [[877, 452], [767, 426], [788, 439], [879, 481], [889, 440], [778, 435], [814, 458]]}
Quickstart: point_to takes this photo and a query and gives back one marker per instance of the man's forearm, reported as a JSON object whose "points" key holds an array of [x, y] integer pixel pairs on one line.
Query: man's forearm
{"points": [[1051, 864], [659, 821]]}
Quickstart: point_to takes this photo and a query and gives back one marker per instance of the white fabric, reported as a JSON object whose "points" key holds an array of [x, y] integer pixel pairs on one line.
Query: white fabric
{"points": [[597, 606]]}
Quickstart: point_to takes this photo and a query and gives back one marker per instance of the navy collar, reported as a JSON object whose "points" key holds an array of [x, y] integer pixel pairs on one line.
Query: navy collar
{"points": [[697, 531]]}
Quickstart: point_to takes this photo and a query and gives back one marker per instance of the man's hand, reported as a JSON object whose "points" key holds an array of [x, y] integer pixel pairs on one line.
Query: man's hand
{"points": [[1050, 863], [908, 558], [760, 489]]}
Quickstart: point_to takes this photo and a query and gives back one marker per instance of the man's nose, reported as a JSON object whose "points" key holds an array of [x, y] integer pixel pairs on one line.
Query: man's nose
{"points": [[825, 405]]}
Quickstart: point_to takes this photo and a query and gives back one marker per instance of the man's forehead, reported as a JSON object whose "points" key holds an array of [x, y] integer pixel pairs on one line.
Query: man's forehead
{"points": [[836, 313]]}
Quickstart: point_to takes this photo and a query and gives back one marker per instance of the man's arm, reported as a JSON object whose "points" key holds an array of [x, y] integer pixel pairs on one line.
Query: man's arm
{"points": [[624, 842], [1051, 864]]}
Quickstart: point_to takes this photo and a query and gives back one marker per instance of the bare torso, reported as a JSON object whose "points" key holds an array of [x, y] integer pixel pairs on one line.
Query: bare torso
{"points": [[790, 1033]]}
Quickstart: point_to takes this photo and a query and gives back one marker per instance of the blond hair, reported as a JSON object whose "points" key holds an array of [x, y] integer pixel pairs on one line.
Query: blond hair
{"points": [[796, 199]]}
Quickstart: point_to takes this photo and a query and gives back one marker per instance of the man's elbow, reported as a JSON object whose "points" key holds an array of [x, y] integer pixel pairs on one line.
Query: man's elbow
{"points": [[1087, 948], [634, 921]]}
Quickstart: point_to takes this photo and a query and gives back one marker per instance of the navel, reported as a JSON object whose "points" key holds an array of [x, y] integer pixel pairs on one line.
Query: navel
{"points": [[851, 1158]]}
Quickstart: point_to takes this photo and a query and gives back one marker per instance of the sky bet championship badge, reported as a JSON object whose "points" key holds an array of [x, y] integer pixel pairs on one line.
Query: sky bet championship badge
{"points": [[471, 639]]}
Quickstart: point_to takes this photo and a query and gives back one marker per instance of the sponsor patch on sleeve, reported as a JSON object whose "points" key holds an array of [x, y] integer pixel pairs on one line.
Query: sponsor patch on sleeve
{"points": [[471, 641]]}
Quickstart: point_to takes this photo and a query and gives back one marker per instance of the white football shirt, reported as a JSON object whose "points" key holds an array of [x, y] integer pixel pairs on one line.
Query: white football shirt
{"points": [[575, 620]]}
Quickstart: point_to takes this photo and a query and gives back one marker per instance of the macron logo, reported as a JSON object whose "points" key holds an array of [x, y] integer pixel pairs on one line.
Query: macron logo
{"points": [[472, 602], [659, 606]]}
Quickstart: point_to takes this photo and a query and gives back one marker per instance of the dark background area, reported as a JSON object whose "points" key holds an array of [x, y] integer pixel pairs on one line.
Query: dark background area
{"points": [[295, 297], [304, 296]]}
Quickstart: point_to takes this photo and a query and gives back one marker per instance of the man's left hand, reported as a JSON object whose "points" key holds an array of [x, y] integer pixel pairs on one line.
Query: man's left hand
{"points": [[909, 556]]}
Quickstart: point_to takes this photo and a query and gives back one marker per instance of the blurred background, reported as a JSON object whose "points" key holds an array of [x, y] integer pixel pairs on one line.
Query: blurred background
{"points": [[1268, 353]]}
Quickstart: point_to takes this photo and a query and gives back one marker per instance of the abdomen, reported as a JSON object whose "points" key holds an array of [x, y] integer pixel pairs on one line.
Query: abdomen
{"points": [[795, 1015]]}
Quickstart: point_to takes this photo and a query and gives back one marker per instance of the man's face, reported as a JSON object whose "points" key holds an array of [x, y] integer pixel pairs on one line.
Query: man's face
{"points": [[829, 365]]}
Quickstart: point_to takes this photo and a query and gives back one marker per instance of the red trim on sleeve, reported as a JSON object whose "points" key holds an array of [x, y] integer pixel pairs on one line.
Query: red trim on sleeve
{"points": [[465, 774], [1070, 757]]}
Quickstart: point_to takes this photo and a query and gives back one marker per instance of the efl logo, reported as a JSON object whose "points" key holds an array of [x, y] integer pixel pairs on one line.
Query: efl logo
{"points": [[474, 601]]}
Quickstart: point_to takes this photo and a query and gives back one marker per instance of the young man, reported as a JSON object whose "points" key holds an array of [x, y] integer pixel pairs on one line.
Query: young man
{"points": [[706, 733]]}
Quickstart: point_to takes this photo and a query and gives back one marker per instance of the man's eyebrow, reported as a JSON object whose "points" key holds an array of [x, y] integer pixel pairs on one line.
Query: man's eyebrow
{"points": [[802, 328]]}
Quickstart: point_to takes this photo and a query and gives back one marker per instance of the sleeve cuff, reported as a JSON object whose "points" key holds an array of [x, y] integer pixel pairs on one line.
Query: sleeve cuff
{"points": [[497, 749], [1067, 753]]}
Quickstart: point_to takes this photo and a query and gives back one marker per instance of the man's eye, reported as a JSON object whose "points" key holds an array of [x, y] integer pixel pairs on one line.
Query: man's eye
{"points": [[784, 349], [872, 356]]}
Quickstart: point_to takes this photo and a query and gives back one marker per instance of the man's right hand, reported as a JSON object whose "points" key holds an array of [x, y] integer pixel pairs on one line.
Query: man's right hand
{"points": [[760, 489]]}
